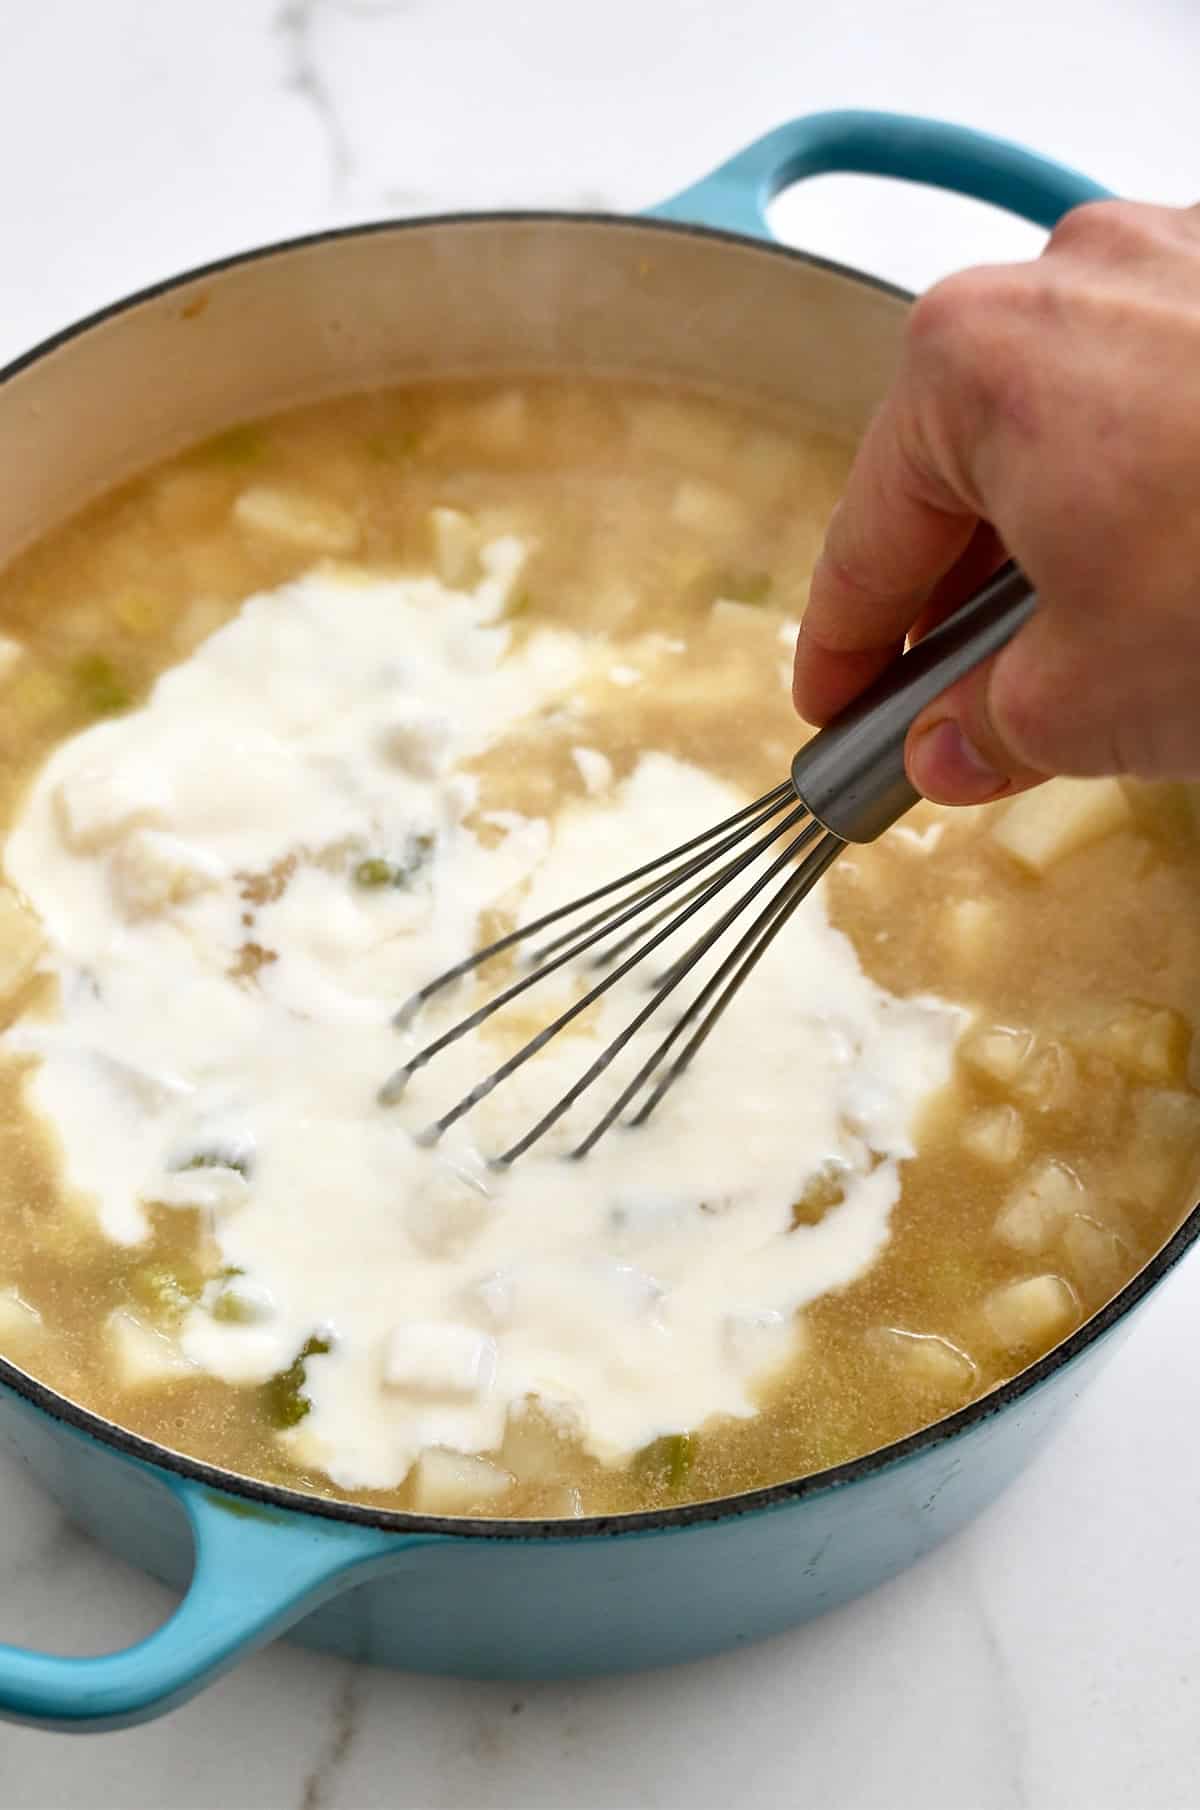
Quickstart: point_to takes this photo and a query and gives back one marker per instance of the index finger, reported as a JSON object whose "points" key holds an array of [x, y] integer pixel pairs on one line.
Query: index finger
{"points": [[898, 529]]}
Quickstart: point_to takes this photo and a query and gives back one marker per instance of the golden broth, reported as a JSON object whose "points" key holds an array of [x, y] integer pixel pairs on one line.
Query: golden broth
{"points": [[646, 508]]}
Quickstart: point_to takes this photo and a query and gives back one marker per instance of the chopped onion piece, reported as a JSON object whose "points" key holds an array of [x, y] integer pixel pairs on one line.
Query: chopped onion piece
{"points": [[1024, 1315], [451, 1483]]}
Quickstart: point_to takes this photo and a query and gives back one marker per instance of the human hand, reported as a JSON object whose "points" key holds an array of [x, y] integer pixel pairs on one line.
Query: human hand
{"points": [[1049, 411]]}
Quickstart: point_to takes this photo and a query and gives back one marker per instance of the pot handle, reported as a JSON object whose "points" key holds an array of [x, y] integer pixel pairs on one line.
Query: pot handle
{"points": [[735, 196], [257, 1570]]}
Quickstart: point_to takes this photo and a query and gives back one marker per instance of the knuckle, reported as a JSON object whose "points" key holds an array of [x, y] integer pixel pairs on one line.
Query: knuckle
{"points": [[1111, 229], [961, 320], [975, 359], [948, 311]]}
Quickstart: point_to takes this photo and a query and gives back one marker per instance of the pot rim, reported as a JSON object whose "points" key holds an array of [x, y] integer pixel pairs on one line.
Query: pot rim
{"points": [[719, 1508]]}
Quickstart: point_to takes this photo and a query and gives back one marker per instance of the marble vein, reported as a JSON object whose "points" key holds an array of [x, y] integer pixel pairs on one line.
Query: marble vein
{"points": [[343, 1729], [295, 25]]}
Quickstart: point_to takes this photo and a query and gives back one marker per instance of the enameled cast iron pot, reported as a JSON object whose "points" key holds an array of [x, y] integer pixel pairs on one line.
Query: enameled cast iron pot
{"points": [[689, 293]]}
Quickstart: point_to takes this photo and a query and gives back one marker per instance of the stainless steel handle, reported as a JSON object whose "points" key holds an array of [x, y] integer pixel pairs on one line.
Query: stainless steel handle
{"points": [[851, 775]]}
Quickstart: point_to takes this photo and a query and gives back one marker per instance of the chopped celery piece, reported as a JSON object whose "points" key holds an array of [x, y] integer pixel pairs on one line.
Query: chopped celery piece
{"points": [[374, 871], [286, 1403], [230, 1309], [166, 1289], [671, 1458], [236, 446], [238, 1303], [100, 686], [744, 587], [218, 1159]]}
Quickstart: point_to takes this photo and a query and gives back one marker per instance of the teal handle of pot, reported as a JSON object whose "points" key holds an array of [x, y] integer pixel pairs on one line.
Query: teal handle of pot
{"points": [[736, 195], [256, 1571]]}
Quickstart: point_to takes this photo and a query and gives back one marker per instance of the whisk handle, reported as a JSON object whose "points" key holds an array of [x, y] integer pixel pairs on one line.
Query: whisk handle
{"points": [[851, 775]]}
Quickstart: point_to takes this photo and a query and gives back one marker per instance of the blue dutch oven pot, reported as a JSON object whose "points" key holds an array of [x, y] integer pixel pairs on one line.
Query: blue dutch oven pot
{"points": [[692, 292]]}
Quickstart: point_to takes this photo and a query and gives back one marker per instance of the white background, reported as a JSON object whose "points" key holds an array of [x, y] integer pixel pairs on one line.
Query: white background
{"points": [[1050, 1657]]}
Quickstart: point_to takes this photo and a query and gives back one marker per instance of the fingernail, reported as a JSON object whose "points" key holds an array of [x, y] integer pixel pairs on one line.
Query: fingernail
{"points": [[945, 765]]}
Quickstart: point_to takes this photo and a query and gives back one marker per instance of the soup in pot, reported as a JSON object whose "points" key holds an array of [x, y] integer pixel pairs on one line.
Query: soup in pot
{"points": [[297, 721]]}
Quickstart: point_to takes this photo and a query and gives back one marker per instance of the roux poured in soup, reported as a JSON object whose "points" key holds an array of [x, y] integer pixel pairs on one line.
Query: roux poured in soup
{"points": [[299, 719]]}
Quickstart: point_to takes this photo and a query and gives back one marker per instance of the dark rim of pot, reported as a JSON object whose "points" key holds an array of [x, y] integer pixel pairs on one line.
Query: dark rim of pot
{"points": [[776, 1495]]}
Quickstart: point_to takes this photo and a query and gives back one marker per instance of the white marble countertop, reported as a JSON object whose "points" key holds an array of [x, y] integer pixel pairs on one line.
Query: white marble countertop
{"points": [[1049, 1657]]}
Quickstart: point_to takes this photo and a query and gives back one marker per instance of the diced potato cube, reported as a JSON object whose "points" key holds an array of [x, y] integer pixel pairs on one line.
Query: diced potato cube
{"points": [[1034, 1212], [152, 870], [971, 927], [1042, 826], [760, 1341], [994, 1135], [438, 1357], [210, 1189], [143, 1358], [1099, 1257], [742, 618], [451, 1483], [1164, 1150], [502, 563], [20, 940], [455, 547], [18, 1320], [907, 839], [190, 498], [681, 433], [1151, 1042], [536, 1449], [239, 1301], [99, 804], [1031, 1314], [447, 1211], [1049, 1080], [595, 770], [294, 519], [707, 508], [417, 738], [997, 1051], [927, 1360]]}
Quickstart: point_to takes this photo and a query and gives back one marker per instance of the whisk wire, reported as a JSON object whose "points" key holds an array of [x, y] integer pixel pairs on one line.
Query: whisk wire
{"points": [[678, 973], [627, 909], [766, 929], [851, 782], [657, 889], [744, 955], [775, 799], [480, 1091]]}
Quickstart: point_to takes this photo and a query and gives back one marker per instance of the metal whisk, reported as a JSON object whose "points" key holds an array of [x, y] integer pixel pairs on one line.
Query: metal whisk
{"points": [[847, 785]]}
